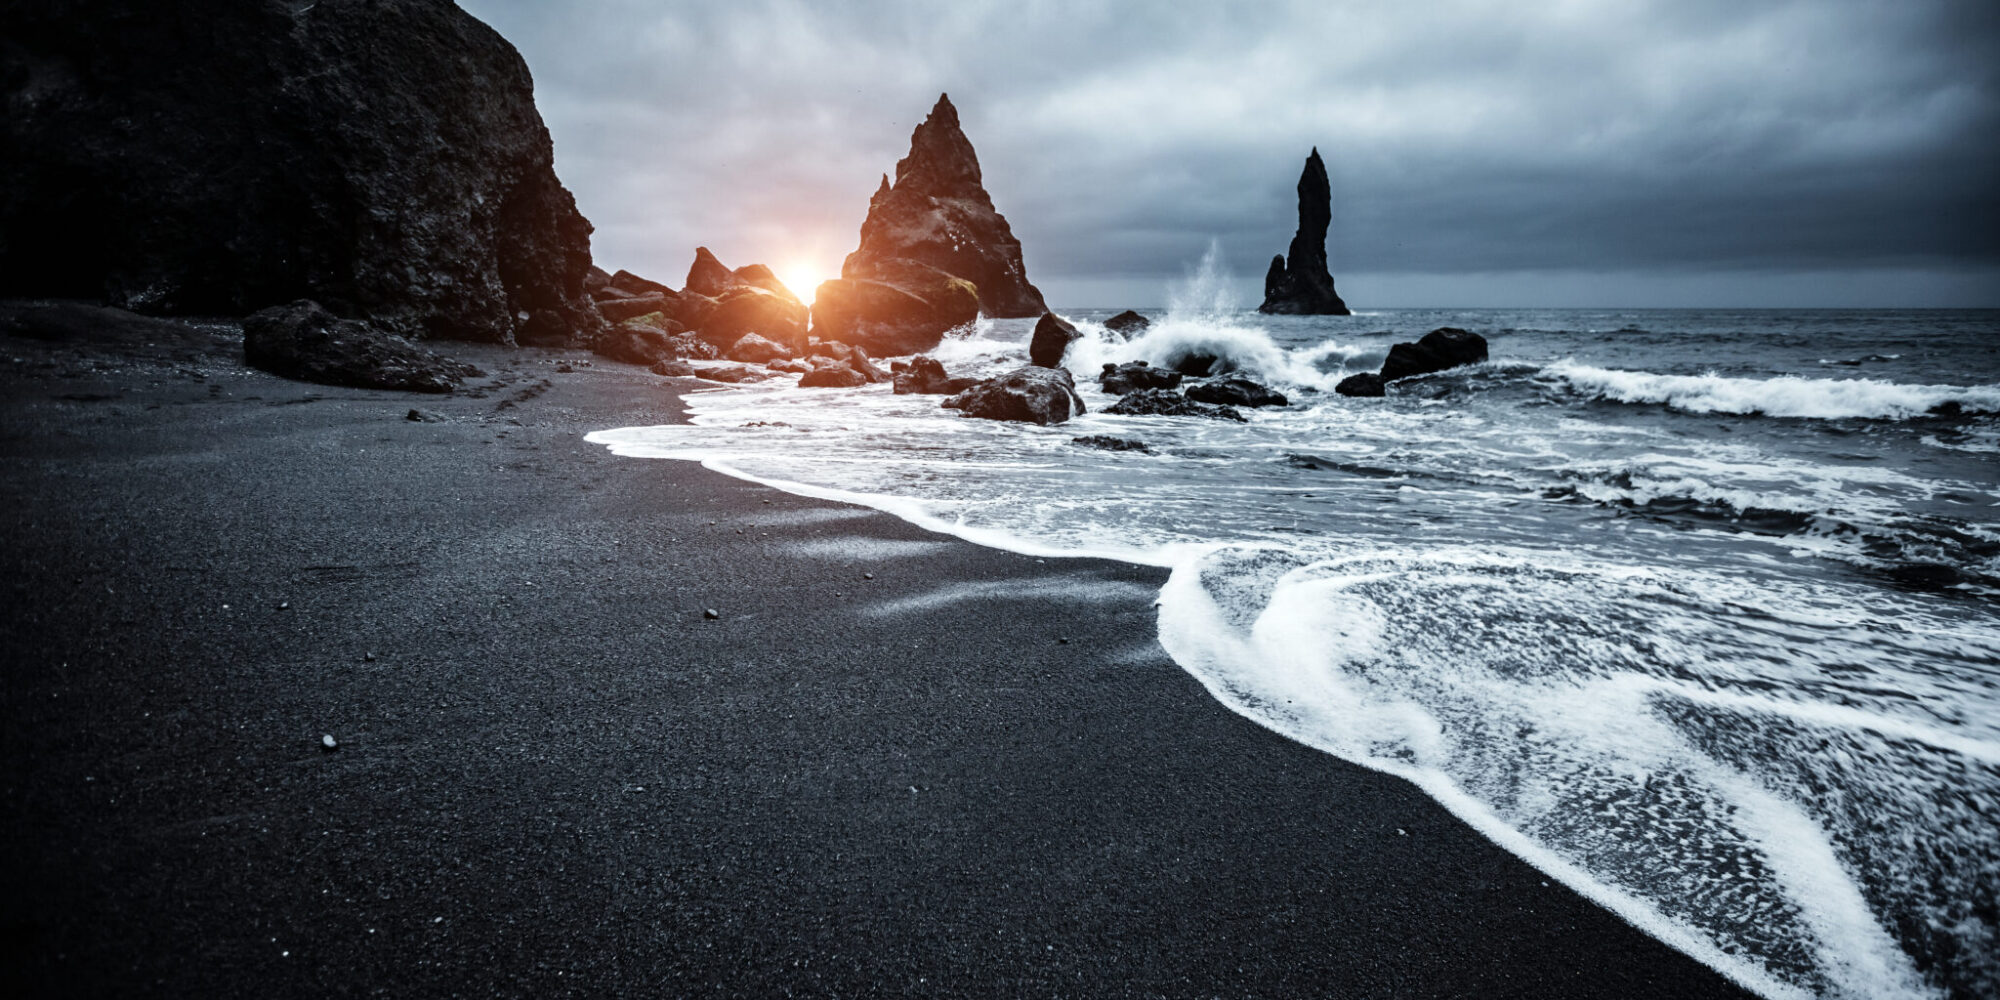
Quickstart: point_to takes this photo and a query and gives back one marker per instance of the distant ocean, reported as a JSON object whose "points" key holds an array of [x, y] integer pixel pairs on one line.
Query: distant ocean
{"points": [[1697, 611]]}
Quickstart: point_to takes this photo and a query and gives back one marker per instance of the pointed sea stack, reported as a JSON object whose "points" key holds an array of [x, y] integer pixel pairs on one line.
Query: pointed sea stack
{"points": [[1304, 287], [934, 252]]}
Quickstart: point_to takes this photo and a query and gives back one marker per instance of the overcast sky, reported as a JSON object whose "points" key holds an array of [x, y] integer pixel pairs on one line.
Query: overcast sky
{"points": [[1678, 152]]}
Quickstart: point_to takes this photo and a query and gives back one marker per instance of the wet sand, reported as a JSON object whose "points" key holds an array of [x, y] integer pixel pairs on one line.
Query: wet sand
{"points": [[556, 776]]}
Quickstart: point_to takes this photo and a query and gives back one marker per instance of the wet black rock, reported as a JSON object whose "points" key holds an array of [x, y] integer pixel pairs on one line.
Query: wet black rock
{"points": [[1121, 379], [1127, 323], [1031, 394], [927, 376], [833, 375], [1304, 286], [1197, 365], [304, 341], [756, 349], [1366, 384], [674, 368], [1168, 403], [1445, 347], [730, 373], [635, 346], [1108, 443], [383, 158], [1052, 338], [1235, 390]]}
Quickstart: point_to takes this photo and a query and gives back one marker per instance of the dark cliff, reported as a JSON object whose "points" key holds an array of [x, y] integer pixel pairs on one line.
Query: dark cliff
{"points": [[383, 157]]}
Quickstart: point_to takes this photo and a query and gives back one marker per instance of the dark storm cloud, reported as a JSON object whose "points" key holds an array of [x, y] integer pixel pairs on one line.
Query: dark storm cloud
{"points": [[1119, 138]]}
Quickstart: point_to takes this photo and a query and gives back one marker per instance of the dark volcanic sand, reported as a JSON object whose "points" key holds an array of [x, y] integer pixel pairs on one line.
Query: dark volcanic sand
{"points": [[555, 776]]}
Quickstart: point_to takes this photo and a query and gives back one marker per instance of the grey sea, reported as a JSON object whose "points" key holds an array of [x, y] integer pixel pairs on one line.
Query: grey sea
{"points": [[1697, 611]]}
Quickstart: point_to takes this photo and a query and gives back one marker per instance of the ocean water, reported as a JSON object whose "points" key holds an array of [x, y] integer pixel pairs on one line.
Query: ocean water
{"points": [[1698, 612]]}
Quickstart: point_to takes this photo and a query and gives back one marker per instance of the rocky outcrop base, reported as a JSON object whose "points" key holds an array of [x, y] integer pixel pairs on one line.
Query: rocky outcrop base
{"points": [[303, 341]]}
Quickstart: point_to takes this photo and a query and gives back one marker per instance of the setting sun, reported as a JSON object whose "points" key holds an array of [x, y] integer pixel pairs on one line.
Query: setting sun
{"points": [[803, 277]]}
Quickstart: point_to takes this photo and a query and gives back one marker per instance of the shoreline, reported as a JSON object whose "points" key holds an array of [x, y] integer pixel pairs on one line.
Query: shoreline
{"points": [[555, 774]]}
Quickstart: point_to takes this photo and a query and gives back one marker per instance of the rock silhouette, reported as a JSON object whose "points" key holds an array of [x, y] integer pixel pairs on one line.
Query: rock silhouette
{"points": [[384, 159], [1303, 286], [930, 237], [1442, 348], [1051, 341]]}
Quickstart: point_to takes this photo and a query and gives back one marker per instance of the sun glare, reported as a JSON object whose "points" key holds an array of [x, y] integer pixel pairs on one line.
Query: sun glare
{"points": [[803, 278]]}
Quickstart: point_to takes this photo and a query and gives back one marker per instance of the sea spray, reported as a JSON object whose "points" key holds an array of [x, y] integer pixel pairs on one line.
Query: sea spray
{"points": [[1203, 319]]}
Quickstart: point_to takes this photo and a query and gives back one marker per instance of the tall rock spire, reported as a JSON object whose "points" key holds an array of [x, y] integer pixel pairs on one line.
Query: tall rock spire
{"points": [[939, 215], [941, 160], [1303, 286]]}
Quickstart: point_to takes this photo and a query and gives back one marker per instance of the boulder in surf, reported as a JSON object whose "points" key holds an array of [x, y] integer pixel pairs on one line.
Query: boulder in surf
{"points": [[1029, 394]]}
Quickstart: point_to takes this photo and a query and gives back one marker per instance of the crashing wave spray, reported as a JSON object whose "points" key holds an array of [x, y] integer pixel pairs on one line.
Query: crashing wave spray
{"points": [[1205, 319]]}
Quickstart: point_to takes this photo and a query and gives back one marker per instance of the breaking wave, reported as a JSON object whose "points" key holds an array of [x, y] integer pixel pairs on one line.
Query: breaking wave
{"points": [[1783, 396]]}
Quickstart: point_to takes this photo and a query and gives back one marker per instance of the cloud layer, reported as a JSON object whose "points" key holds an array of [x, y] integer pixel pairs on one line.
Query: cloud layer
{"points": [[1572, 138]]}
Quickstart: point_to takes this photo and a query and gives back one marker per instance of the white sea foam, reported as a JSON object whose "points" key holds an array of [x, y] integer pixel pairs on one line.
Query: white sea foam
{"points": [[1784, 396], [1793, 776]]}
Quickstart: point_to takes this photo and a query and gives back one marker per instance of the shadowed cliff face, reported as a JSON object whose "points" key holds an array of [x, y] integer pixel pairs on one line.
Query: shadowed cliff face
{"points": [[381, 156], [938, 214], [1304, 286]]}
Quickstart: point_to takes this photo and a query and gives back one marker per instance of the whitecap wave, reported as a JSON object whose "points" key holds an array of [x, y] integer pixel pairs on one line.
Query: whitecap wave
{"points": [[1783, 396]]}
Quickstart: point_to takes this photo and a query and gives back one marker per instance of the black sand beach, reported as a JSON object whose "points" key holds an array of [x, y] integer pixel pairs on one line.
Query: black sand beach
{"points": [[556, 776]]}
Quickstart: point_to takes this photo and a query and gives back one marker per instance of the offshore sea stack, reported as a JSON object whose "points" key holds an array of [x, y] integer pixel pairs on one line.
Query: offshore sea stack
{"points": [[934, 252], [381, 157], [1303, 286]]}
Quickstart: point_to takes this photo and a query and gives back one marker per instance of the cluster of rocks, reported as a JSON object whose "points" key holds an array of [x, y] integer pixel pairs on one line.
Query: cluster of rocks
{"points": [[744, 315], [1044, 392], [1442, 348]]}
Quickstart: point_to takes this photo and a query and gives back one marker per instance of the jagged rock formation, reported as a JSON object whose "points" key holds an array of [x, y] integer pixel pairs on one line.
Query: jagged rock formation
{"points": [[383, 157], [929, 238], [1304, 286]]}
